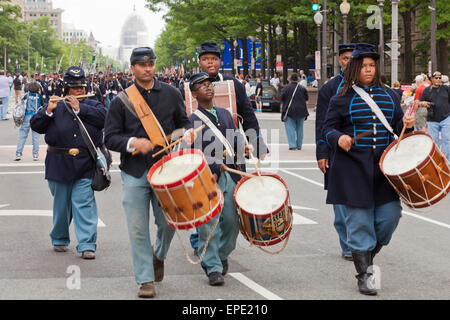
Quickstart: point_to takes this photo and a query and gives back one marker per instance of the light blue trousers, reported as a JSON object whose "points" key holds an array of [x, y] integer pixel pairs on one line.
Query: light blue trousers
{"points": [[23, 135], [223, 239], [341, 227], [366, 227], [75, 200], [444, 128], [137, 196], [294, 131]]}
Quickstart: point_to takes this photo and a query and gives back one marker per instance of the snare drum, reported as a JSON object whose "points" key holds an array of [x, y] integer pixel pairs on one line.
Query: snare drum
{"points": [[264, 210], [186, 190], [417, 170]]}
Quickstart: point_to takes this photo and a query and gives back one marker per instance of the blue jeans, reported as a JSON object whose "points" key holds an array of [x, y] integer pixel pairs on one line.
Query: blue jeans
{"points": [[294, 132], [340, 226], [23, 135], [4, 107], [137, 196], [223, 239], [366, 227], [444, 128], [75, 200]]}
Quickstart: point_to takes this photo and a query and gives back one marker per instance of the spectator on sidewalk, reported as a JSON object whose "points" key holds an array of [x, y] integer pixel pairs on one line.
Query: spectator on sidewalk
{"points": [[17, 87], [437, 99], [5, 84]]}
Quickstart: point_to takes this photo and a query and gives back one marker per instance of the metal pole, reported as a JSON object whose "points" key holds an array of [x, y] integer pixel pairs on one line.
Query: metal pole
{"points": [[394, 52], [324, 43], [345, 28], [433, 36], [381, 44]]}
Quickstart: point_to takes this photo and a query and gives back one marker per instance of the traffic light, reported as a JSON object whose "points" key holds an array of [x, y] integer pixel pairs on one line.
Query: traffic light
{"points": [[315, 5]]}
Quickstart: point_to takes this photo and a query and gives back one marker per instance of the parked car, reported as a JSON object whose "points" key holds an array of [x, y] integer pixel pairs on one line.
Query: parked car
{"points": [[270, 97]]}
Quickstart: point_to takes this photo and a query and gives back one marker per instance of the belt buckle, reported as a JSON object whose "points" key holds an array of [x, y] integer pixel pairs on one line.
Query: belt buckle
{"points": [[74, 152]]}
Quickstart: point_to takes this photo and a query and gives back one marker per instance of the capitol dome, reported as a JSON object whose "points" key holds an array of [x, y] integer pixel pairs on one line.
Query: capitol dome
{"points": [[134, 34]]}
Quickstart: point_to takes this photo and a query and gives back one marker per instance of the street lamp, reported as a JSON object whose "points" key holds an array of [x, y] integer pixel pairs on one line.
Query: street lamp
{"points": [[345, 9], [381, 45]]}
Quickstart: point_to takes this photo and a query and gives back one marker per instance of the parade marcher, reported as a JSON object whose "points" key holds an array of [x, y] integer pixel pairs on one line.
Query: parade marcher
{"points": [[209, 62], [69, 168], [223, 239], [294, 112], [125, 133], [355, 180], [323, 151], [437, 99], [33, 101]]}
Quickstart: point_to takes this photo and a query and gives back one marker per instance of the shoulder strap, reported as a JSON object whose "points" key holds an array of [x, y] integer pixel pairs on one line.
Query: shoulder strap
{"points": [[290, 102], [216, 132], [145, 114], [372, 104]]}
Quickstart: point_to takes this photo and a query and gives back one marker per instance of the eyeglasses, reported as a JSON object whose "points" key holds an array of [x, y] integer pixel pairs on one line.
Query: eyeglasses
{"points": [[206, 86]]}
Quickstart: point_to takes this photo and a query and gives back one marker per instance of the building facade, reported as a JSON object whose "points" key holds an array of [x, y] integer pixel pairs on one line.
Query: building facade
{"points": [[34, 9]]}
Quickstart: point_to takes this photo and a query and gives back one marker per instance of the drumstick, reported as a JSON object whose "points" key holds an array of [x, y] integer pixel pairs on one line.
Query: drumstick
{"points": [[242, 173], [408, 112], [176, 142], [361, 135], [76, 97]]}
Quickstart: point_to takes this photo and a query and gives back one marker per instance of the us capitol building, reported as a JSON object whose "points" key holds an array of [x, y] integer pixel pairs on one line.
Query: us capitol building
{"points": [[134, 34]]}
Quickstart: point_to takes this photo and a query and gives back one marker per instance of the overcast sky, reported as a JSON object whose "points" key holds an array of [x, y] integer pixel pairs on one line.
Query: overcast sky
{"points": [[105, 18]]}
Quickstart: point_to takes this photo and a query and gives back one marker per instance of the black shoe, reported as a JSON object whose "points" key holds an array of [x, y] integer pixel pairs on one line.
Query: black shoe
{"points": [[215, 279], [362, 261], [224, 267]]}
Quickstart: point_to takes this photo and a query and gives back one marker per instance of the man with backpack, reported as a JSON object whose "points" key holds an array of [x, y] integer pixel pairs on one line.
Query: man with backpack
{"points": [[32, 101]]}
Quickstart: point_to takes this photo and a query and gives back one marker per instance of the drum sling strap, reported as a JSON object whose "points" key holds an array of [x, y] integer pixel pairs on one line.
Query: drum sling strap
{"points": [[145, 114], [375, 108]]}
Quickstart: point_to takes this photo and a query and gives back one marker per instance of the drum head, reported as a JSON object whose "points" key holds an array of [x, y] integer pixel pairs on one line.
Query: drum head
{"points": [[411, 152], [176, 169], [261, 195]]}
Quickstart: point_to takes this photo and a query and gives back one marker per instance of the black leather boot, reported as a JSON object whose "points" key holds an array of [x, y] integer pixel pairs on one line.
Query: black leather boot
{"points": [[375, 251], [362, 261]]}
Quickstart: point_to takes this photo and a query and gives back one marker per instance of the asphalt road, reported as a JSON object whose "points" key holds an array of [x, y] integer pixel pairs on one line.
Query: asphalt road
{"points": [[414, 266]]}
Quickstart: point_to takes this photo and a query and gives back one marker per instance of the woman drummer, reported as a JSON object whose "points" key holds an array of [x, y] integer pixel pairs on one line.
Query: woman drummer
{"points": [[373, 206]]}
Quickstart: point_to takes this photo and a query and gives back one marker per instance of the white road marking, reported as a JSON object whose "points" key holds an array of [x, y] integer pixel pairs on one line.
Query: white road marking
{"points": [[298, 219], [302, 178], [37, 213], [255, 287], [426, 219]]}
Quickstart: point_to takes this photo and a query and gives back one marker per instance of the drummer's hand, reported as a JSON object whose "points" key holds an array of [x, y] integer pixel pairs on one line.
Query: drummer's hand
{"points": [[345, 142], [409, 120], [248, 150], [52, 105], [190, 136], [323, 165], [142, 145]]}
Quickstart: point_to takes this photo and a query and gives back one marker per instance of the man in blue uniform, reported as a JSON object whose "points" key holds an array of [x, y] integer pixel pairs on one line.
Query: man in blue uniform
{"points": [[125, 133], [323, 151], [209, 62], [219, 126], [355, 180], [69, 168]]}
